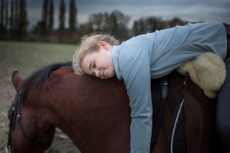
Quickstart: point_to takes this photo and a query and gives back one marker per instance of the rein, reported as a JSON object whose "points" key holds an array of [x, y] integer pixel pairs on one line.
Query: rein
{"points": [[15, 109]]}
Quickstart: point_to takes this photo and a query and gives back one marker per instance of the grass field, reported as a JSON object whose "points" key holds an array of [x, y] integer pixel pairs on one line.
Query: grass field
{"points": [[26, 58]]}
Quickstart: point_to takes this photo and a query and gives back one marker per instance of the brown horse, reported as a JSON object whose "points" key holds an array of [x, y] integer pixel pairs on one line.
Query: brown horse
{"points": [[95, 113]]}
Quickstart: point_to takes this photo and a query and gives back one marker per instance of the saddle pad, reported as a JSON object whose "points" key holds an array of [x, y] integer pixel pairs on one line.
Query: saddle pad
{"points": [[207, 71]]}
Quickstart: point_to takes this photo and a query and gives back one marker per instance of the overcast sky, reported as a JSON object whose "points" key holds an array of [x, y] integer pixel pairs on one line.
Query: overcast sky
{"points": [[190, 10]]}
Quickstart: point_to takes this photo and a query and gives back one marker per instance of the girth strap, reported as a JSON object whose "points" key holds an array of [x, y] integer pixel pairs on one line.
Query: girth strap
{"points": [[161, 114]]}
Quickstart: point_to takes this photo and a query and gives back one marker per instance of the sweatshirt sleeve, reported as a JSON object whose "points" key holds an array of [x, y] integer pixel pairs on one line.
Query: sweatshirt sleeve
{"points": [[135, 69]]}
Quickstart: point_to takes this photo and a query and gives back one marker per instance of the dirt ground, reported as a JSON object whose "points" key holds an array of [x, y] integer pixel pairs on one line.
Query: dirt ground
{"points": [[8, 63]]}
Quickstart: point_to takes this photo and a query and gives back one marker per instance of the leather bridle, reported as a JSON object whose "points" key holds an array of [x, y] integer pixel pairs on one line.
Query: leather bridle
{"points": [[14, 110]]}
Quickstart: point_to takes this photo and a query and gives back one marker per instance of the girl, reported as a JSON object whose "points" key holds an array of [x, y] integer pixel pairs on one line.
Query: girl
{"points": [[151, 56]]}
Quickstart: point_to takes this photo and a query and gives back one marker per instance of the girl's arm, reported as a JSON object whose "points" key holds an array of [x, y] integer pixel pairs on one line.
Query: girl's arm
{"points": [[135, 69]]}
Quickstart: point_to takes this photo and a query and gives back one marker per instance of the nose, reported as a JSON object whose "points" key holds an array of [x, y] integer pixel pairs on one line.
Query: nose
{"points": [[97, 72]]}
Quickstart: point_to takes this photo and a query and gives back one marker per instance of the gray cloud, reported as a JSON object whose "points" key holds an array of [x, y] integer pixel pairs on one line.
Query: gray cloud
{"points": [[190, 10]]}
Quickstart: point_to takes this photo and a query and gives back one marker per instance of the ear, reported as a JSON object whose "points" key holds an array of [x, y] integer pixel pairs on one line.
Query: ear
{"points": [[104, 45], [17, 80]]}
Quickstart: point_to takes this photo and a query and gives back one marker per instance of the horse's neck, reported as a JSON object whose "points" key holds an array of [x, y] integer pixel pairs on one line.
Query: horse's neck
{"points": [[83, 104], [60, 105]]}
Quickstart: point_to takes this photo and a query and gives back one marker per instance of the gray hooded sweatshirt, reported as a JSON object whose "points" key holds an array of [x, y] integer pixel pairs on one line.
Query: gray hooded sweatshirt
{"points": [[154, 55]]}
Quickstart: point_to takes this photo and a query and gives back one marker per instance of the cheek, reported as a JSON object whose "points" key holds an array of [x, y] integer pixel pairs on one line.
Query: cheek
{"points": [[110, 62], [104, 63], [110, 66]]}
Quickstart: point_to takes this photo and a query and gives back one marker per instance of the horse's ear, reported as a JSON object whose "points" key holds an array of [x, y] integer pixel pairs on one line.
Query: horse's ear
{"points": [[17, 80]]}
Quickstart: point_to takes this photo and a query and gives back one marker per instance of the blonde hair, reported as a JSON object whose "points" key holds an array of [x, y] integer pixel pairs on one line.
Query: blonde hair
{"points": [[90, 44]]}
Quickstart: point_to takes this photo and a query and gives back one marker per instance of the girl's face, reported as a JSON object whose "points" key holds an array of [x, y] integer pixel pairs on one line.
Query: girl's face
{"points": [[99, 64]]}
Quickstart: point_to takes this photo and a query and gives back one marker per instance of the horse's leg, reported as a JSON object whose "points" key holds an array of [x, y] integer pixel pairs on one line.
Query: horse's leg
{"points": [[223, 111]]}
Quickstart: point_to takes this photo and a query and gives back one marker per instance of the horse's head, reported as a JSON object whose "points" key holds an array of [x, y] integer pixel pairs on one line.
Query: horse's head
{"points": [[26, 119]]}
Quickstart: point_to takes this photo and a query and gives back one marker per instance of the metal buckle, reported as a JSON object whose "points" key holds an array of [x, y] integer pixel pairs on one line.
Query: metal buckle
{"points": [[9, 149], [18, 117]]}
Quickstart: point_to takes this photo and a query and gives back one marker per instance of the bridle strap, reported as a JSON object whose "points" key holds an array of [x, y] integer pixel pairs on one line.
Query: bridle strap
{"points": [[40, 143], [15, 109], [161, 114], [12, 119]]}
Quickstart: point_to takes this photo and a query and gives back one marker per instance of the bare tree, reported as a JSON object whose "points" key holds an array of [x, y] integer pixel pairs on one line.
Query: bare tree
{"points": [[2, 17], [6, 16], [22, 19], [99, 21], [149, 24], [62, 15], [11, 18], [72, 15], [61, 19], [44, 18], [114, 24], [16, 19], [51, 13]]}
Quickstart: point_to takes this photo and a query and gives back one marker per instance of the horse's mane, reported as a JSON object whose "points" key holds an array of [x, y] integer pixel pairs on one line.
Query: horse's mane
{"points": [[37, 78]]}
